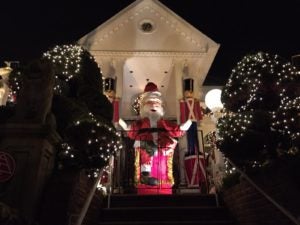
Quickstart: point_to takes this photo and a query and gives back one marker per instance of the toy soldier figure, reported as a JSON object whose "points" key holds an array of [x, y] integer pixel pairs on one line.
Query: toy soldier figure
{"points": [[194, 159]]}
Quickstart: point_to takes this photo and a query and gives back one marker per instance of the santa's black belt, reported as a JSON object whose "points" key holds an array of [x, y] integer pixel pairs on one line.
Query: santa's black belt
{"points": [[151, 130]]}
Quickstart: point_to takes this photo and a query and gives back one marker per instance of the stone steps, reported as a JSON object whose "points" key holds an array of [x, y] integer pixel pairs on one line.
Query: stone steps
{"points": [[164, 209]]}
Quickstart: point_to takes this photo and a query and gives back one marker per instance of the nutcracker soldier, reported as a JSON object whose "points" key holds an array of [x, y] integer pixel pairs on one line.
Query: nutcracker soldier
{"points": [[155, 142], [194, 158]]}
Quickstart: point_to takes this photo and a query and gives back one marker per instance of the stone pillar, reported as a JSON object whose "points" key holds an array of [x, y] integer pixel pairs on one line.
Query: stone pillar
{"points": [[32, 148]]}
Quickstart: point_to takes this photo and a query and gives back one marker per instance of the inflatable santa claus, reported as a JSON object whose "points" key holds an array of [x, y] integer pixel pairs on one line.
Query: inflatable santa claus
{"points": [[155, 141]]}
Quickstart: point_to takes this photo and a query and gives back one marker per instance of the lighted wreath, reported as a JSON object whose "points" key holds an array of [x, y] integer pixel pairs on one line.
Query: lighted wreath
{"points": [[136, 104]]}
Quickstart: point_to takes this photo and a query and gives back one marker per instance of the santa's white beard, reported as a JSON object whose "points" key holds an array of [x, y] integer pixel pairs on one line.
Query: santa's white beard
{"points": [[152, 116]]}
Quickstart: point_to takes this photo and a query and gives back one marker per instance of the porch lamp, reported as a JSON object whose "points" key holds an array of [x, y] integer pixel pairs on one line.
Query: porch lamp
{"points": [[213, 100]]}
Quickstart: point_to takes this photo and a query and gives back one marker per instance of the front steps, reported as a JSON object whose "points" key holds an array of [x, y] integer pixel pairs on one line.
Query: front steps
{"points": [[164, 209]]}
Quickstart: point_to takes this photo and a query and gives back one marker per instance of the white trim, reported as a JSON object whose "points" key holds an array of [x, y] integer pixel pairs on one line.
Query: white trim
{"points": [[197, 54]]}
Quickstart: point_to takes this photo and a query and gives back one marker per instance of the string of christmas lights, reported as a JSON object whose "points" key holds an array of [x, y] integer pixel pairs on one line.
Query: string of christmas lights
{"points": [[136, 104], [261, 104], [89, 139], [67, 60]]}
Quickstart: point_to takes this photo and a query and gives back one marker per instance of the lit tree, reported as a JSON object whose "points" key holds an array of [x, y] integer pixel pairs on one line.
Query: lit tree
{"points": [[257, 88], [82, 112], [286, 121], [15, 80]]}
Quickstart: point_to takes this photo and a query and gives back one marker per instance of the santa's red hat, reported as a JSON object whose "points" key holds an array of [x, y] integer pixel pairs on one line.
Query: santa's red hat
{"points": [[150, 87], [151, 93]]}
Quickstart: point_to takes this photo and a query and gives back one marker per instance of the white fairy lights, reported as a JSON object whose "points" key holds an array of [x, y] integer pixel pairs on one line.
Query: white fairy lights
{"points": [[68, 58]]}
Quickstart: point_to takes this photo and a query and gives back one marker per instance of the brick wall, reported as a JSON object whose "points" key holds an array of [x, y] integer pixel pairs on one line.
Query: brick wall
{"points": [[251, 208], [64, 199]]}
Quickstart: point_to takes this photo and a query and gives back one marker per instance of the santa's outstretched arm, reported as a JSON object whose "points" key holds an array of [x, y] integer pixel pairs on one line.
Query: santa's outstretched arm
{"points": [[175, 130], [186, 125], [131, 130], [123, 124]]}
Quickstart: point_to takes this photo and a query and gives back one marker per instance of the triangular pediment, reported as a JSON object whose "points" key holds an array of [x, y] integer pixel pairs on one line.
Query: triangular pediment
{"points": [[147, 25], [146, 41]]}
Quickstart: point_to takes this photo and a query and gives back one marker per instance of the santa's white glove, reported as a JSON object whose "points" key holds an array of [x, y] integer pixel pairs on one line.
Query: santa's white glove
{"points": [[185, 126], [123, 124]]}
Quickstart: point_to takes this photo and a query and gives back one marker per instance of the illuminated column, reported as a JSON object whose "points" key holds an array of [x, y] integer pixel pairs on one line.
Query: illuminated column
{"points": [[119, 67], [120, 157], [178, 68]]}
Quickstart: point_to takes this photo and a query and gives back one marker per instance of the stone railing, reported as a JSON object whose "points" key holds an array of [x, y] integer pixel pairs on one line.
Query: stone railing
{"points": [[271, 199]]}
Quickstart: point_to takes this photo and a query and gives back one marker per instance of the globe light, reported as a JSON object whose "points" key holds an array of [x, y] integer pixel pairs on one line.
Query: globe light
{"points": [[213, 100]]}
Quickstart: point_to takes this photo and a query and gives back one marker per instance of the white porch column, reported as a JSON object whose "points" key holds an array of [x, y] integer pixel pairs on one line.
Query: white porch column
{"points": [[178, 67], [119, 67], [119, 159], [182, 144]]}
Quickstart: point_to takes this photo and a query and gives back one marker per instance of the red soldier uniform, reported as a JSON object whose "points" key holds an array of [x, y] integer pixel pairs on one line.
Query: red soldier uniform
{"points": [[195, 160]]}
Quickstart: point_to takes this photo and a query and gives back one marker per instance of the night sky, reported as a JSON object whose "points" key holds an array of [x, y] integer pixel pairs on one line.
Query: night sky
{"points": [[240, 27]]}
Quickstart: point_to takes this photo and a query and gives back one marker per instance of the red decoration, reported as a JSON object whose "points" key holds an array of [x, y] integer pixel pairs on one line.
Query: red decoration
{"points": [[195, 170], [7, 166], [190, 109], [115, 104], [150, 87]]}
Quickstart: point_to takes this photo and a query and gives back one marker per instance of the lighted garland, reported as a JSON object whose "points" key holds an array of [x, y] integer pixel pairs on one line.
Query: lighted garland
{"points": [[136, 104]]}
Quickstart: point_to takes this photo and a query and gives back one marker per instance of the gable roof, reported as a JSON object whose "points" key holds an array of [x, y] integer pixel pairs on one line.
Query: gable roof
{"points": [[167, 32], [153, 42]]}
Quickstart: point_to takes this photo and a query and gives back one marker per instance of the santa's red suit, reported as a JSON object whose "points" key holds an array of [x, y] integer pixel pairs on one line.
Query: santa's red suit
{"points": [[154, 143], [154, 149]]}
